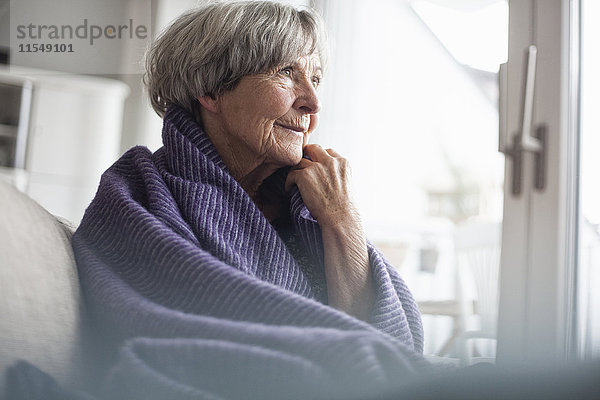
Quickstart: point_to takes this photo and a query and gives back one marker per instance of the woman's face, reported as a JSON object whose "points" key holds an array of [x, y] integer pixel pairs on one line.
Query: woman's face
{"points": [[270, 116]]}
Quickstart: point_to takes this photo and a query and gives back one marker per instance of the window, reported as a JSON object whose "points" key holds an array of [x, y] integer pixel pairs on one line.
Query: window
{"points": [[588, 297], [411, 99]]}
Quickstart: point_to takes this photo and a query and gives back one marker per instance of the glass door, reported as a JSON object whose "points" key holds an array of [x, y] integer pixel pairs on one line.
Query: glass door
{"points": [[538, 262], [411, 99]]}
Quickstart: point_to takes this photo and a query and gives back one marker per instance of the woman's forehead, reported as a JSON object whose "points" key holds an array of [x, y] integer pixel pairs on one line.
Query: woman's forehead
{"points": [[311, 63]]}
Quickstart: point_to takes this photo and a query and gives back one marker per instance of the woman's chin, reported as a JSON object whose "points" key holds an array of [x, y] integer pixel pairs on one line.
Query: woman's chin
{"points": [[292, 159], [290, 155]]}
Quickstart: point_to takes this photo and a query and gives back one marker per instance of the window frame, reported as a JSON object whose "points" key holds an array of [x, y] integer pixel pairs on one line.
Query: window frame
{"points": [[536, 321]]}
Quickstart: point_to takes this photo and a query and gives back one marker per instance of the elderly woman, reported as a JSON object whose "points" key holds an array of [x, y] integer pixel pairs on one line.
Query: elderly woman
{"points": [[252, 87], [231, 263]]}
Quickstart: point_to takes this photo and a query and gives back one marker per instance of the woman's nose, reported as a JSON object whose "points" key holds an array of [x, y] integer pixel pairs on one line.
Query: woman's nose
{"points": [[308, 98]]}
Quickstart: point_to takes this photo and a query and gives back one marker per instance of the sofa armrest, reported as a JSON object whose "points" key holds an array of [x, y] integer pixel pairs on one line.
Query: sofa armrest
{"points": [[40, 302]]}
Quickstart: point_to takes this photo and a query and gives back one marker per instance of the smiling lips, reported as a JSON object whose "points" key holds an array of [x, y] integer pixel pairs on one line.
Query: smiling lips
{"points": [[296, 129]]}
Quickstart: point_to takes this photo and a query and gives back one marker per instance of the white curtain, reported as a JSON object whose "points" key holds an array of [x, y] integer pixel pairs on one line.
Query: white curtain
{"points": [[408, 116]]}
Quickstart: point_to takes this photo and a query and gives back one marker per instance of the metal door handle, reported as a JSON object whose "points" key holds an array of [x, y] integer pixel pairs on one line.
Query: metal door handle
{"points": [[524, 141]]}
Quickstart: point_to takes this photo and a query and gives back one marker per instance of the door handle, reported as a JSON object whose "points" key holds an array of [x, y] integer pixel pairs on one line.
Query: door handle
{"points": [[528, 139]]}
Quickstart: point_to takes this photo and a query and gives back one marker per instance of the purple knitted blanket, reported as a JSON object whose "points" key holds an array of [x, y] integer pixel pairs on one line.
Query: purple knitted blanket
{"points": [[196, 296]]}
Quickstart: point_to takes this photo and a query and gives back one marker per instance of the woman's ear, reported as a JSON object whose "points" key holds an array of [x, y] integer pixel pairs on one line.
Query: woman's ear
{"points": [[209, 103]]}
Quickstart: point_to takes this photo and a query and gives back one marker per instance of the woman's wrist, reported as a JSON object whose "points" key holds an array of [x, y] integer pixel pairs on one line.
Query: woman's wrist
{"points": [[344, 220], [347, 268]]}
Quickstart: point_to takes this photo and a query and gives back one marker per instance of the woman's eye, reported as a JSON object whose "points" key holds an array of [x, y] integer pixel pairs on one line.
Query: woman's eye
{"points": [[287, 71]]}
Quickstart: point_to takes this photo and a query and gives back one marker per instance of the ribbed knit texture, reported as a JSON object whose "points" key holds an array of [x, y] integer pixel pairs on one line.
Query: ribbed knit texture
{"points": [[190, 281]]}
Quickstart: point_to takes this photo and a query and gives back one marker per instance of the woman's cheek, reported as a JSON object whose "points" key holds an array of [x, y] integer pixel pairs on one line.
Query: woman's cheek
{"points": [[280, 104], [284, 92]]}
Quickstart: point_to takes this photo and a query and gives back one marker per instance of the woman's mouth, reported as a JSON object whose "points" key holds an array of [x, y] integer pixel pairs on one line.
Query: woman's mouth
{"points": [[298, 130]]}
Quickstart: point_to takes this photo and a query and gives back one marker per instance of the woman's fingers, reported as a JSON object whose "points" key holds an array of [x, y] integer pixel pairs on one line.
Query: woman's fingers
{"points": [[303, 164], [316, 152], [333, 153], [324, 183]]}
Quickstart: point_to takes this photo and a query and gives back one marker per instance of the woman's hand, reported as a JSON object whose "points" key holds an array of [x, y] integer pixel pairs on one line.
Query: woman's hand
{"points": [[324, 183]]}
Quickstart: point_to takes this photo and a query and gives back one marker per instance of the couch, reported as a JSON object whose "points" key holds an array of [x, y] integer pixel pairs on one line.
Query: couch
{"points": [[41, 316]]}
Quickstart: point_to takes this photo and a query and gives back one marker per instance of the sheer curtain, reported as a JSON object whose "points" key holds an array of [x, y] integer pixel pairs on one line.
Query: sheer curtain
{"points": [[420, 130], [405, 113]]}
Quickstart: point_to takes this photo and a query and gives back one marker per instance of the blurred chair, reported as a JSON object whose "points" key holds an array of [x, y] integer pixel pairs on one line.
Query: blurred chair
{"points": [[448, 308], [477, 246]]}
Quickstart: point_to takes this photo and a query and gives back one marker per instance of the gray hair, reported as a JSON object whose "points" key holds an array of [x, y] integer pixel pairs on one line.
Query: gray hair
{"points": [[207, 50]]}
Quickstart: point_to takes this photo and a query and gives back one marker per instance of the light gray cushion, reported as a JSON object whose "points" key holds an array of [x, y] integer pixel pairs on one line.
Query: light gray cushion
{"points": [[40, 316]]}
